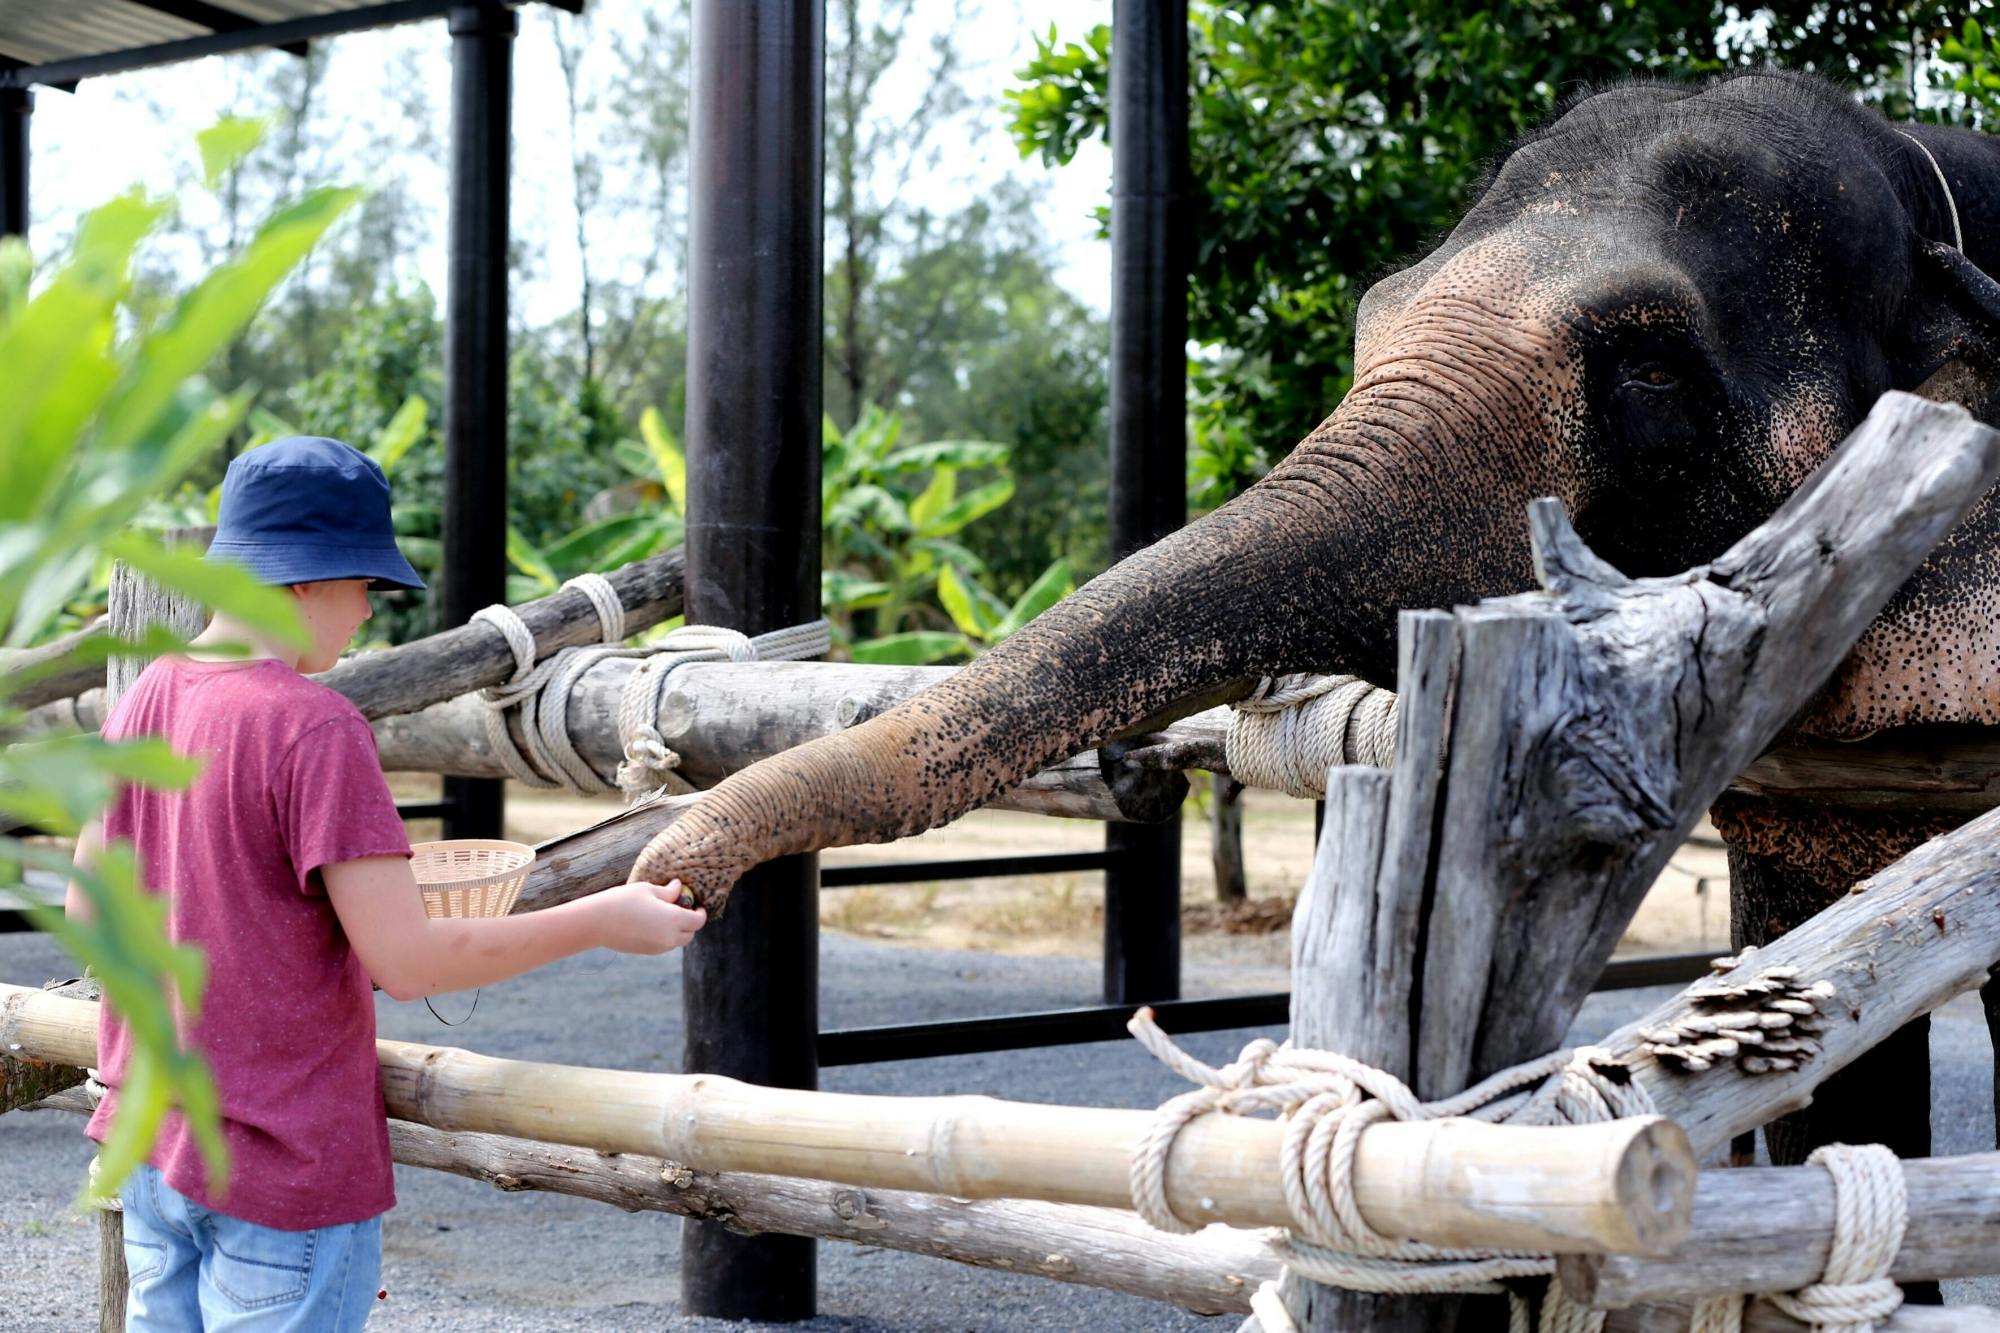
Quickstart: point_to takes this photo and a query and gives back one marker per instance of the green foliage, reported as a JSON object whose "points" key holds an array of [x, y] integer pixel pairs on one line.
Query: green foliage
{"points": [[383, 390], [104, 415], [898, 575], [1332, 140], [1977, 78], [899, 583]]}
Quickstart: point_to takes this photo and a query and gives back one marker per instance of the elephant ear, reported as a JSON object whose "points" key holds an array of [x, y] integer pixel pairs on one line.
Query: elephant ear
{"points": [[1953, 339]]}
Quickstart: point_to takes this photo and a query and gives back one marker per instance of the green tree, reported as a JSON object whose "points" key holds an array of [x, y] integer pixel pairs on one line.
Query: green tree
{"points": [[1331, 140]]}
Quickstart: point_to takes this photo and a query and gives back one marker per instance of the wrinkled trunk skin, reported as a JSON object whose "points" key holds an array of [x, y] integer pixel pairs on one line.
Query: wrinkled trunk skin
{"points": [[1291, 576], [1128, 646]]}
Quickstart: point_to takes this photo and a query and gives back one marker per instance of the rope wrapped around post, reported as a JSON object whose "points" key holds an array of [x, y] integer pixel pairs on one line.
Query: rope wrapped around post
{"points": [[1870, 1213], [541, 692], [650, 764], [1292, 729], [1327, 1101]]}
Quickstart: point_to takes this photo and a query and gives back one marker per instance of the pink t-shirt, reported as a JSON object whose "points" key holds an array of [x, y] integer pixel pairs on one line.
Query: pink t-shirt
{"points": [[292, 782]]}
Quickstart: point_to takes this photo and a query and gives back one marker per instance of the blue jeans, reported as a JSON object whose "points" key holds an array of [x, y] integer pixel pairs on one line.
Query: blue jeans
{"points": [[193, 1269]]}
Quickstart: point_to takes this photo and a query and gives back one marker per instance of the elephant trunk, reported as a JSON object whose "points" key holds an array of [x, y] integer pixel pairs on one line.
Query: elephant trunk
{"points": [[1295, 574]]}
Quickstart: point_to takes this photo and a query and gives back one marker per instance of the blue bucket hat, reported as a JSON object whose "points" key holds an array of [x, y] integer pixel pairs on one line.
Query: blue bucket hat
{"points": [[305, 510]]}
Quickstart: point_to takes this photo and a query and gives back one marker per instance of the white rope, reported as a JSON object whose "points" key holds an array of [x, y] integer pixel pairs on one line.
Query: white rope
{"points": [[1957, 235], [541, 693], [650, 767], [1293, 728], [1871, 1209], [1327, 1100]]}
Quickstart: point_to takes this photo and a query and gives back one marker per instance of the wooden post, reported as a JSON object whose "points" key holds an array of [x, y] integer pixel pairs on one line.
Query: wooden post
{"points": [[474, 572], [1149, 100], [1225, 832], [1555, 748], [134, 604], [750, 981]]}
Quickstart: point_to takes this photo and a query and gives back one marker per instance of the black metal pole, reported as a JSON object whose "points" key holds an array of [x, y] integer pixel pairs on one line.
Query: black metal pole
{"points": [[475, 353], [17, 107], [1149, 100], [750, 982]]}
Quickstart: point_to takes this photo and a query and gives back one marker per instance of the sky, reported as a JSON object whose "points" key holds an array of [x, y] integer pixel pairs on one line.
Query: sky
{"points": [[139, 128]]}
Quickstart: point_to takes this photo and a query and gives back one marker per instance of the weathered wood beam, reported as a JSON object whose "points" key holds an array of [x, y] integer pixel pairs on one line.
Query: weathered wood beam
{"points": [[1211, 1272], [1902, 943], [64, 682], [1918, 769], [1933, 768], [1769, 1229], [723, 716], [1555, 749], [474, 656], [1460, 1183], [1763, 1317]]}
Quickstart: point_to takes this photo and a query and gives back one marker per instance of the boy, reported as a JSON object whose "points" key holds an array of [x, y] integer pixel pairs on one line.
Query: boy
{"points": [[287, 864]]}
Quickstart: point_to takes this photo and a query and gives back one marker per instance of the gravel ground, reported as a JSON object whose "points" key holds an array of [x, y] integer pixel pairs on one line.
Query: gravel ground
{"points": [[461, 1256]]}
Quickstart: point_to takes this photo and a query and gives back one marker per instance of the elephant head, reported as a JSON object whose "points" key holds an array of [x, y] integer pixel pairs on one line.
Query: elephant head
{"points": [[1666, 308]]}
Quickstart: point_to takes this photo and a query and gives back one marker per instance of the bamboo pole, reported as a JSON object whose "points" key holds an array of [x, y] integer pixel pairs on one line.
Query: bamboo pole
{"points": [[1210, 1272], [1770, 1229], [1624, 1185]]}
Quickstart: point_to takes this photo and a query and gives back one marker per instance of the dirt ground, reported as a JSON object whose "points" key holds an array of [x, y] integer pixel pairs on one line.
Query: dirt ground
{"points": [[1062, 915]]}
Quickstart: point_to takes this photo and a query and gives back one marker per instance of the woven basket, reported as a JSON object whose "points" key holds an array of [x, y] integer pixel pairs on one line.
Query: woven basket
{"points": [[470, 876]]}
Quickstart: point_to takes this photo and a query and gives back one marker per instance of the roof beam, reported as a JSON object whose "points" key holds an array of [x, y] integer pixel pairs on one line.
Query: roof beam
{"points": [[291, 31], [213, 17]]}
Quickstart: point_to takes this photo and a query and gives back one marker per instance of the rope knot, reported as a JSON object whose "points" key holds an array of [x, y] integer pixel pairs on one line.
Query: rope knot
{"points": [[1293, 728], [651, 767]]}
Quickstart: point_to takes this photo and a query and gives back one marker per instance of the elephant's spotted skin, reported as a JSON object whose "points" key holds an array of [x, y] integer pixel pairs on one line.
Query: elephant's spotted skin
{"points": [[1666, 308]]}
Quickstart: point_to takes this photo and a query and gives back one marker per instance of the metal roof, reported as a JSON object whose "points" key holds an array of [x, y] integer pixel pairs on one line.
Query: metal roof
{"points": [[57, 42]]}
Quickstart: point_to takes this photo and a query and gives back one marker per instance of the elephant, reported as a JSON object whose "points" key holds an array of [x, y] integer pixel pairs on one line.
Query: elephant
{"points": [[1666, 307]]}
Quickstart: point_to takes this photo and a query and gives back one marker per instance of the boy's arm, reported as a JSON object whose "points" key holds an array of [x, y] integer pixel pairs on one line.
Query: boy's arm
{"points": [[410, 955], [89, 842]]}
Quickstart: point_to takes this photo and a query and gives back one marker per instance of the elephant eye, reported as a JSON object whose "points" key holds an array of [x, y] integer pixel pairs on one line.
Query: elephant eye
{"points": [[1650, 377]]}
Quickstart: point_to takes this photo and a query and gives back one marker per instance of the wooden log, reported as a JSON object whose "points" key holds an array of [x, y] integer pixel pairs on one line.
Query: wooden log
{"points": [[474, 656], [1585, 730], [1211, 1272], [1769, 1229], [61, 717], [1763, 1317], [1926, 769], [1920, 769], [65, 683], [1902, 943], [724, 716], [1451, 1182]]}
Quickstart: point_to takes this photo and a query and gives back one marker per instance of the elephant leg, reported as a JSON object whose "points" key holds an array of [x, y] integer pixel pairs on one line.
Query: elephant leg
{"points": [[1883, 1097]]}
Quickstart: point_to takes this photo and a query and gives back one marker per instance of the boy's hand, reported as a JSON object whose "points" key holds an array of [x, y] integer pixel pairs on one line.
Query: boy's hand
{"points": [[645, 918]]}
